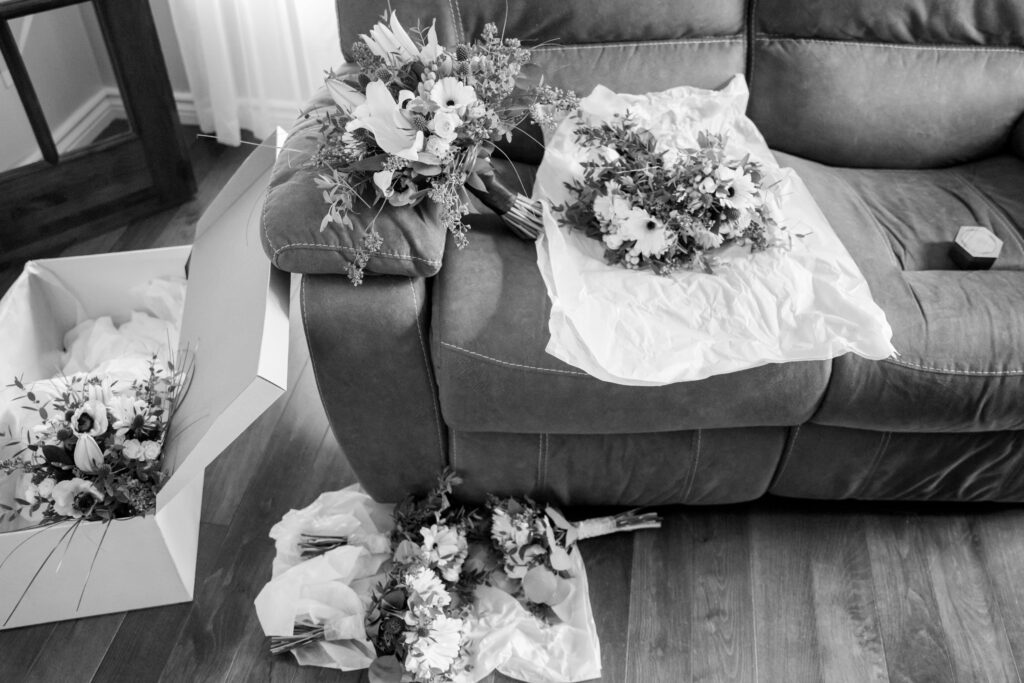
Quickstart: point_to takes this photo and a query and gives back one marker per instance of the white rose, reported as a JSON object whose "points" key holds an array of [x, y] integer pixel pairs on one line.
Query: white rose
{"points": [[708, 185], [444, 124], [45, 487], [151, 450], [438, 146], [132, 449]]}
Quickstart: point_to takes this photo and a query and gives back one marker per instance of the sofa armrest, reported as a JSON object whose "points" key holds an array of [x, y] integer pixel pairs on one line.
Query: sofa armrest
{"points": [[413, 237], [369, 349]]}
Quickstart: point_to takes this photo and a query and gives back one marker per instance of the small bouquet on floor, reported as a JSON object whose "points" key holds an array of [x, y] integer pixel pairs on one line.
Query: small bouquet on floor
{"points": [[419, 121], [663, 209], [461, 592], [96, 454]]}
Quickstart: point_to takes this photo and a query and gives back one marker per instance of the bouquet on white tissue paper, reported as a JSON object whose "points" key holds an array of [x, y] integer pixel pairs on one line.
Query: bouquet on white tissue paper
{"points": [[457, 593], [655, 207]]}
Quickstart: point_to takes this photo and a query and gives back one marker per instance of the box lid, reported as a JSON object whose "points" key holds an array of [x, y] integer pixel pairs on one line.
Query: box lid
{"points": [[235, 326]]}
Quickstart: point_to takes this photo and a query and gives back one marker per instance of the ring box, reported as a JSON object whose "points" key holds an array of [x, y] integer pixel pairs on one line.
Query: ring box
{"points": [[975, 248]]}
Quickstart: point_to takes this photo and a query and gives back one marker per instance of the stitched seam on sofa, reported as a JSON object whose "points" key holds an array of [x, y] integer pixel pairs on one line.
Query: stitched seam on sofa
{"points": [[329, 247], [764, 37], [426, 365], [514, 365], [693, 468], [785, 458], [642, 43], [869, 476], [948, 371], [457, 19]]}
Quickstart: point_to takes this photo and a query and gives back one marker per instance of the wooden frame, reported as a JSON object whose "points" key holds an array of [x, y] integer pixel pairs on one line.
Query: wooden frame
{"points": [[51, 203]]}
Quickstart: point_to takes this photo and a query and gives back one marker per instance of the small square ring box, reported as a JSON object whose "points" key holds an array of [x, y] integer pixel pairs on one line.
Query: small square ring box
{"points": [[975, 248]]}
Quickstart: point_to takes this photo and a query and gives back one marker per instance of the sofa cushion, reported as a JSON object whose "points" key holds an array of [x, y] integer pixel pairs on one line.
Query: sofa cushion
{"points": [[488, 334], [959, 334], [888, 83]]}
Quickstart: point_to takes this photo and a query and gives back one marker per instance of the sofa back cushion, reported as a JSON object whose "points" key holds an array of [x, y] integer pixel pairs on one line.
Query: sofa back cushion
{"points": [[637, 46], [888, 83]]}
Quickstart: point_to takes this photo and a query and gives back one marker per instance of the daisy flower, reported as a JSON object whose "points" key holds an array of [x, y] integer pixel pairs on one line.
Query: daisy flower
{"points": [[737, 189]]}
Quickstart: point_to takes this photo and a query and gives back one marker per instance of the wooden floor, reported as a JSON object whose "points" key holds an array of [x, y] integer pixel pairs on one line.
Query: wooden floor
{"points": [[777, 591]]}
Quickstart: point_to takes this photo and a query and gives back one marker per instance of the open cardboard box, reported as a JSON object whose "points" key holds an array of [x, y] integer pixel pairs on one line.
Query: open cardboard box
{"points": [[235, 323]]}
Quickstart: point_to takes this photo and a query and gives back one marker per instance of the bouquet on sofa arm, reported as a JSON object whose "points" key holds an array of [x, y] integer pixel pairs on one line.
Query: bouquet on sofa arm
{"points": [[419, 121], [655, 207]]}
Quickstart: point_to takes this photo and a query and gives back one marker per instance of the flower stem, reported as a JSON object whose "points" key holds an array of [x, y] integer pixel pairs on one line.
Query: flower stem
{"points": [[631, 520]]}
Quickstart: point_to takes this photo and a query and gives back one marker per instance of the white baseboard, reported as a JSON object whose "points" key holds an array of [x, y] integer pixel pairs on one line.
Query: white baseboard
{"points": [[85, 124]]}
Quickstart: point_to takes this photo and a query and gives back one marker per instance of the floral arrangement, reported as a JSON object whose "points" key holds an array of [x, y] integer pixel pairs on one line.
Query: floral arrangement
{"points": [[662, 209], [420, 121], [96, 455], [421, 615]]}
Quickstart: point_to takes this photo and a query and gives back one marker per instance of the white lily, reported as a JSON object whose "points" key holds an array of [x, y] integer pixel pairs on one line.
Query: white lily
{"points": [[344, 95], [391, 126], [391, 43]]}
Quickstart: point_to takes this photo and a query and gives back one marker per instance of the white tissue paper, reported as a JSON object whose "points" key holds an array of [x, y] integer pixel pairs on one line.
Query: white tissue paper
{"points": [[95, 346], [808, 302]]}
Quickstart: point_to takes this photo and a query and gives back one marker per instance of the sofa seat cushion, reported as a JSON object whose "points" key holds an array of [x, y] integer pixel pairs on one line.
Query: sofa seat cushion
{"points": [[489, 330], [959, 334]]}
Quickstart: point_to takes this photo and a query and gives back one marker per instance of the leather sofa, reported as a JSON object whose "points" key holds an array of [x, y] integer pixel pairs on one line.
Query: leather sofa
{"points": [[904, 118]]}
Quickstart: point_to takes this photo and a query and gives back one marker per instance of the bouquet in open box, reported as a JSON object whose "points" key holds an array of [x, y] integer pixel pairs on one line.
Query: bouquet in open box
{"points": [[655, 207], [95, 455], [419, 121]]}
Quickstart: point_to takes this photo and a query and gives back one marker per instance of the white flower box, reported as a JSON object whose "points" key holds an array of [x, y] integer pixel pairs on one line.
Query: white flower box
{"points": [[236, 324]]}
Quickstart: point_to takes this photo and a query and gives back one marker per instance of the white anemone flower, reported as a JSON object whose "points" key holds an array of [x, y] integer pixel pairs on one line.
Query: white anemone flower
{"points": [[391, 125], [451, 94], [69, 497]]}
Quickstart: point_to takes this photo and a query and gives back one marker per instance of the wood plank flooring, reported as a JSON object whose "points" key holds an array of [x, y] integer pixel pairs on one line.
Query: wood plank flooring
{"points": [[774, 591]]}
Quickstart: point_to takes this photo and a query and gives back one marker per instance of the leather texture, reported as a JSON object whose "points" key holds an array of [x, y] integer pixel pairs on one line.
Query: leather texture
{"points": [[699, 467], [368, 347], [413, 238], [959, 334], [487, 341], [837, 462]]}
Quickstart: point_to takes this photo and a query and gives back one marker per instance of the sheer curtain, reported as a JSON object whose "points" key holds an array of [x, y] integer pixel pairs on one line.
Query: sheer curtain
{"points": [[252, 63]]}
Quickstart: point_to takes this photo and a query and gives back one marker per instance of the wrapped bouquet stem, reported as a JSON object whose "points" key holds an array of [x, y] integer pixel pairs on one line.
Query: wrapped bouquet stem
{"points": [[522, 215]]}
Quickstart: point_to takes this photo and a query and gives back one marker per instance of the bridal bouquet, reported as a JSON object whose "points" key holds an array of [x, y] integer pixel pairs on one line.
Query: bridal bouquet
{"points": [[419, 121], [661, 209], [96, 454], [461, 592]]}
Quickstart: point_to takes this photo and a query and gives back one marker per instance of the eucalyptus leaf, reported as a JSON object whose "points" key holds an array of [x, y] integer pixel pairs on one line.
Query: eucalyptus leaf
{"points": [[386, 669]]}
